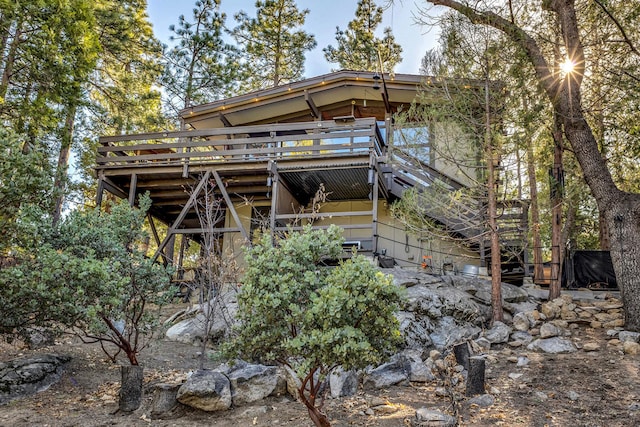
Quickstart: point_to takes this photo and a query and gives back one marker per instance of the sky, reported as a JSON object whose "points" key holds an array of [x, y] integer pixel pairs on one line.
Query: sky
{"points": [[322, 20]]}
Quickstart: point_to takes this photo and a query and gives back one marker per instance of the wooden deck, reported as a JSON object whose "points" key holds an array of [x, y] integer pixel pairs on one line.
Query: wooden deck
{"points": [[239, 148]]}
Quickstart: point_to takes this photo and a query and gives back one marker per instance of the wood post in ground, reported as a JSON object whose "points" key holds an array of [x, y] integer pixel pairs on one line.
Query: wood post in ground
{"points": [[131, 388], [475, 376]]}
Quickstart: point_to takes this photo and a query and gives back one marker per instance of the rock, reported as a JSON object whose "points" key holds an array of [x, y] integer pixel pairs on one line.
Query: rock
{"points": [[419, 372], [572, 395], [448, 332], [483, 401], [24, 377], [523, 361], [630, 347], [553, 345], [522, 336], [629, 336], [550, 309], [548, 330], [343, 383], [164, 399], [426, 417], [293, 382], [474, 286], [415, 329], [483, 343], [251, 383], [206, 390], [385, 409], [499, 333], [515, 375], [521, 322], [591, 346], [192, 330], [391, 373]]}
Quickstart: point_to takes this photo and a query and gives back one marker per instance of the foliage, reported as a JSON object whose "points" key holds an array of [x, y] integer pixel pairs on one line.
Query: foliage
{"points": [[296, 311], [87, 273], [202, 66], [358, 47], [273, 45], [25, 180]]}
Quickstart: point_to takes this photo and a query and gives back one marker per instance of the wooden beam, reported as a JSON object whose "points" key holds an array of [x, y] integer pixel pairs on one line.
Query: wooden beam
{"points": [[99, 193], [326, 215], [132, 189], [182, 214], [225, 121], [154, 230], [275, 186], [315, 112], [230, 205], [112, 188], [374, 222]]}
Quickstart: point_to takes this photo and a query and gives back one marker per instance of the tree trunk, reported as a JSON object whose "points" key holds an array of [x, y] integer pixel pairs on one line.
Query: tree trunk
{"points": [[492, 158], [538, 270], [9, 62], [131, 388], [621, 209], [59, 184], [556, 190]]}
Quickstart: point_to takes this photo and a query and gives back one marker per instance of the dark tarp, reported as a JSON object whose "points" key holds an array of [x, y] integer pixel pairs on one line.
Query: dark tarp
{"points": [[589, 269]]}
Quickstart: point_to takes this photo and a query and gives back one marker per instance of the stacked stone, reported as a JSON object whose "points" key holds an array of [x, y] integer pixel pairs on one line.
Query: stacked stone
{"points": [[549, 328]]}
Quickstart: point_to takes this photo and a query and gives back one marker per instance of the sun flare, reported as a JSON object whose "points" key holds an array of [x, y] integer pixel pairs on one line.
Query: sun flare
{"points": [[567, 66]]}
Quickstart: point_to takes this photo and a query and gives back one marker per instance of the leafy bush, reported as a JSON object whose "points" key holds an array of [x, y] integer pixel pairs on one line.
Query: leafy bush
{"points": [[87, 274], [296, 311]]}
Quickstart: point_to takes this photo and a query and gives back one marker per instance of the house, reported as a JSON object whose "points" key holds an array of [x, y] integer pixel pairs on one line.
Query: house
{"points": [[266, 155]]}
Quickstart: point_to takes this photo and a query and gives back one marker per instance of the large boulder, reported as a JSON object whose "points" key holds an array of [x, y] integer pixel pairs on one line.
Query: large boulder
{"points": [[250, 383], [343, 383], [23, 377], [206, 390], [192, 328]]}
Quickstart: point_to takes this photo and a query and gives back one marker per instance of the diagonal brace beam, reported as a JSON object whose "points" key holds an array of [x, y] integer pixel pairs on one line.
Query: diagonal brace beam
{"points": [[227, 199], [182, 214]]}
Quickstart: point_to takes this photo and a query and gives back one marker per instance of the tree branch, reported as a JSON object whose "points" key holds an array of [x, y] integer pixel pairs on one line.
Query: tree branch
{"points": [[516, 34], [627, 40]]}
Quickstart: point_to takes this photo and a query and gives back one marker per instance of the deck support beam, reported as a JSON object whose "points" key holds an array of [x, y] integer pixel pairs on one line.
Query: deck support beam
{"points": [[315, 112], [275, 185], [183, 214], [230, 206], [132, 189]]}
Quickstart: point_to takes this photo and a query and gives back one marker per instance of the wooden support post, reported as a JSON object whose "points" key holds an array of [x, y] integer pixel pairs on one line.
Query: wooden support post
{"points": [[182, 214], [232, 208], [275, 185], [461, 351], [132, 189], [475, 376], [374, 199], [99, 193]]}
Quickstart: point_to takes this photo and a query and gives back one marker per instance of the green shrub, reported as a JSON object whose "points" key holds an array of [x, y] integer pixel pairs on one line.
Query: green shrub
{"points": [[296, 311]]}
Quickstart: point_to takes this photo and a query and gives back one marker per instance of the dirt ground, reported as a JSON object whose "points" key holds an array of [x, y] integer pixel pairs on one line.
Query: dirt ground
{"points": [[599, 388]]}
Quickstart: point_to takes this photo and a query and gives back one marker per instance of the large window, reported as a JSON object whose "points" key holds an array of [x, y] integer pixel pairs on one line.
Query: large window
{"points": [[415, 140]]}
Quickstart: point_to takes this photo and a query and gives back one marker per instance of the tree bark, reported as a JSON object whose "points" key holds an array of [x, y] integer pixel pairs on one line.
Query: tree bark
{"points": [[130, 388], [538, 271], [621, 209], [59, 184], [556, 187], [492, 159]]}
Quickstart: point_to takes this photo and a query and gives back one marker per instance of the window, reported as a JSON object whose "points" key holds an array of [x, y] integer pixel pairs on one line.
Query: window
{"points": [[415, 140]]}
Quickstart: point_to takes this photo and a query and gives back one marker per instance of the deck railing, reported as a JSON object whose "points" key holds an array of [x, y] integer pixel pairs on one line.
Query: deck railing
{"points": [[309, 140]]}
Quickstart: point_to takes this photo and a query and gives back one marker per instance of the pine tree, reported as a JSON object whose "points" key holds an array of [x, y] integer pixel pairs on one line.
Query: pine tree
{"points": [[201, 67], [359, 49], [273, 43]]}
